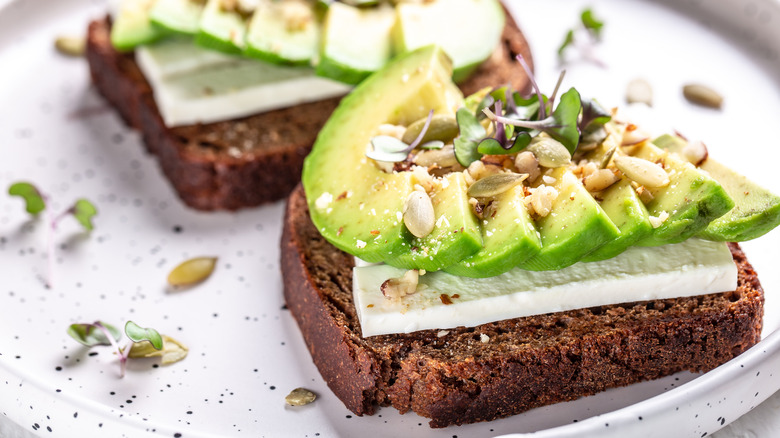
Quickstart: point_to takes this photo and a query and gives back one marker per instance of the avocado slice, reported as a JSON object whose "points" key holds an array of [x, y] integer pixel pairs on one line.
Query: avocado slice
{"points": [[285, 32], [356, 206], [575, 227], [756, 210], [177, 16], [455, 236], [468, 30], [355, 41], [692, 199], [132, 27], [220, 29], [509, 238]]}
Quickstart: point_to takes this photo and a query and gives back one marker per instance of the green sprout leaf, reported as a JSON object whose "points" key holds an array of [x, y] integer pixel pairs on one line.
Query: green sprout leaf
{"points": [[567, 41], [593, 115], [84, 211], [91, 335], [593, 24], [137, 333], [471, 132], [566, 116], [34, 201]]}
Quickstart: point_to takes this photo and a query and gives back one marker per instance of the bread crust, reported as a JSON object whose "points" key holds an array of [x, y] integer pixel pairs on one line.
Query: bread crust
{"points": [[528, 362], [248, 161]]}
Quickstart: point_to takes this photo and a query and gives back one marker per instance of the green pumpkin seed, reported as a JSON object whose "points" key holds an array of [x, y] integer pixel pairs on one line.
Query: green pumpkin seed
{"points": [[495, 184], [702, 95], [300, 397], [549, 152], [442, 127], [70, 46], [192, 271], [172, 351]]}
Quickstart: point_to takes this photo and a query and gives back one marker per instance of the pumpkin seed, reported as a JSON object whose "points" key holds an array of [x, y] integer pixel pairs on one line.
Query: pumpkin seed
{"points": [[639, 91], [641, 171], [70, 46], [495, 184], [442, 127], [172, 351], [300, 397], [444, 157], [607, 157], [418, 214], [192, 271], [702, 95], [549, 152]]}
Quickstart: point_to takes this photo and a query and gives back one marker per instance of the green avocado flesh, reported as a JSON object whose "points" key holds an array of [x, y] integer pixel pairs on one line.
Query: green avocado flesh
{"points": [[356, 206], [355, 42], [455, 236], [756, 210], [177, 16], [221, 30], [509, 238], [132, 27], [468, 30], [273, 39], [692, 199], [575, 227]]}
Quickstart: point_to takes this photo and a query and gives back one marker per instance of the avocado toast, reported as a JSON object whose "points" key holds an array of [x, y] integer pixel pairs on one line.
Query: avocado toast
{"points": [[465, 373], [243, 161]]}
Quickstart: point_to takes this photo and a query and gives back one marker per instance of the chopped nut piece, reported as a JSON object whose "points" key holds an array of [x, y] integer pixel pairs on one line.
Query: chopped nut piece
{"points": [[639, 91], [695, 152], [442, 333], [397, 288], [525, 162], [300, 397], [484, 338], [600, 180]]}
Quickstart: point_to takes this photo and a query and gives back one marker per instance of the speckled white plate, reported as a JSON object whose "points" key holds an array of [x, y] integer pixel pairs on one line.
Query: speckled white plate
{"points": [[245, 350]]}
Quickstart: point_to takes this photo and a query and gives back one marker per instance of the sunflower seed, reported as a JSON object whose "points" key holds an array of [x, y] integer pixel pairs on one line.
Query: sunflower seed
{"points": [[702, 95], [639, 91], [549, 152], [192, 271], [442, 127], [70, 46], [300, 397], [641, 171], [418, 214], [695, 152], [495, 184]]}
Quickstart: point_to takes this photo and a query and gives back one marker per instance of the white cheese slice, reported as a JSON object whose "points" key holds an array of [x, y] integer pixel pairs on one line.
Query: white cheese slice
{"points": [[693, 267], [192, 85]]}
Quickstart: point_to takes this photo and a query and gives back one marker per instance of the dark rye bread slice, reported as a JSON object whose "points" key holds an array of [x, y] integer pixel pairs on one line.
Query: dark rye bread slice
{"points": [[253, 160], [527, 363]]}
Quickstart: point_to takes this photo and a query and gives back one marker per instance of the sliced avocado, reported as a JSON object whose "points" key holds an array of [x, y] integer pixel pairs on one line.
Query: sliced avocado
{"points": [[756, 210], [355, 42], [361, 210], [508, 235], [132, 27], [575, 227], [692, 199], [468, 30], [455, 236], [220, 29], [284, 32], [177, 16]]}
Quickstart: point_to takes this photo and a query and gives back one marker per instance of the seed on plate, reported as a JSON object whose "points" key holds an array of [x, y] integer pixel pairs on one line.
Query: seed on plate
{"points": [[300, 397], [549, 152], [641, 171], [419, 217], [442, 127], [639, 91], [444, 157], [192, 271], [172, 351], [702, 95], [495, 184], [70, 45]]}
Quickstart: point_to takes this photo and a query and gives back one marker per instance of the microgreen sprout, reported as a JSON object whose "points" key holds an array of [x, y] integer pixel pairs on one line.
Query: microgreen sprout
{"points": [[583, 37], [393, 150], [36, 202], [101, 333], [530, 75]]}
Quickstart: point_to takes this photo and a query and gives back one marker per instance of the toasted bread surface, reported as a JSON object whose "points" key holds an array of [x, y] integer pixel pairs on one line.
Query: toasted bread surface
{"points": [[527, 363], [252, 160]]}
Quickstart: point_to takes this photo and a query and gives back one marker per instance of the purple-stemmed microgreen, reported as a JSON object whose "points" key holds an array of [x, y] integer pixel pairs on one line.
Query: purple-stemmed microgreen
{"points": [[36, 202], [593, 114], [551, 103], [101, 333], [530, 75], [583, 38], [393, 150]]}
